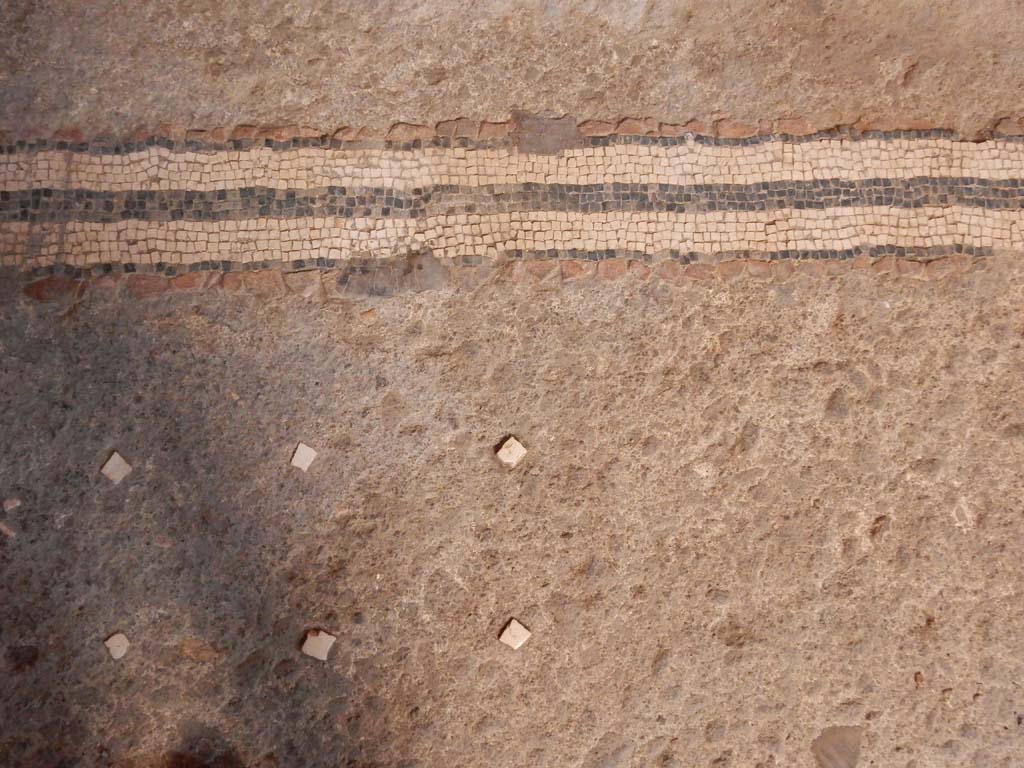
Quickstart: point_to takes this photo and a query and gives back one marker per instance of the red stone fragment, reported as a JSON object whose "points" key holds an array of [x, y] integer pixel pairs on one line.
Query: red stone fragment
{"points": [[612, 269], [731, 270], [670, 271], [494, 131], [145, 286], [759, 270], [596, 128], [265, 283], [634, 126], [409, 132], [733, 129], [639, 270], [54, 288], [699, 271], [188, 281], [540, 268], [795, 126], [573, 269], [783, 270]]}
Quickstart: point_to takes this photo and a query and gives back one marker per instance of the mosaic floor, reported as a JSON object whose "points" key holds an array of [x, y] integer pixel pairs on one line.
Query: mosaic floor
{"points": [[166, 206]]}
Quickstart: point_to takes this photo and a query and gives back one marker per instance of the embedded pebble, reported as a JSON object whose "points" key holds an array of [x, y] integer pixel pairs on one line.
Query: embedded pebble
{"points": [[318, 644], [514, 635], [117, 644], [511, 452], [116, 469], [303, 456]]}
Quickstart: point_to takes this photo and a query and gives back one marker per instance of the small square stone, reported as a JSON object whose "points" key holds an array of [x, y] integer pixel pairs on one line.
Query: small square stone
{"points": [[116, 469], [318, 644], [117, 644], [511, 452], [303, 456], [514, 635], [11, 504]]}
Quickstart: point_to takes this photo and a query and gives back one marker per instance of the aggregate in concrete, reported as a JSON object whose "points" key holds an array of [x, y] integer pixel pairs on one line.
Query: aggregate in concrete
{"points": [[749, 513]]}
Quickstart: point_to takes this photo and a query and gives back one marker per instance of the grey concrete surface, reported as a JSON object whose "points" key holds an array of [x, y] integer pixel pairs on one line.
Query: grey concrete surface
{"points": [[107, 66], [749, 513]]}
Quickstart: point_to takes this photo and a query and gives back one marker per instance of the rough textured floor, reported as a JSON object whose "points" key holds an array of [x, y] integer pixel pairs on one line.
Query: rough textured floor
{"points": [[767, 518], [105, 65], [749, 512]]}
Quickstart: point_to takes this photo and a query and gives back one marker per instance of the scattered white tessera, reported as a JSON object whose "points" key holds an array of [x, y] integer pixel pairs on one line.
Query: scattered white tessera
{"points": [[317, 642]]}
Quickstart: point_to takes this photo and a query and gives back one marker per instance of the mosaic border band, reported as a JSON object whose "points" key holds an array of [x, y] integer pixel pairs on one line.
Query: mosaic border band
{"points": [[541, 188], [84, 205]]}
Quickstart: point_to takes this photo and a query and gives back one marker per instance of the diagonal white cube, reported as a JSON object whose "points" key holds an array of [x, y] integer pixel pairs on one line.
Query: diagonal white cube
{"points": [[318, 644], [514, 635], [116, 469], [303, 456], [511, 453]]}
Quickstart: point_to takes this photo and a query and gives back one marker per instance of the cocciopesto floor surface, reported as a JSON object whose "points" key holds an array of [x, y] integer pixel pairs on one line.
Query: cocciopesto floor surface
{"points": [[771, 393]]}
